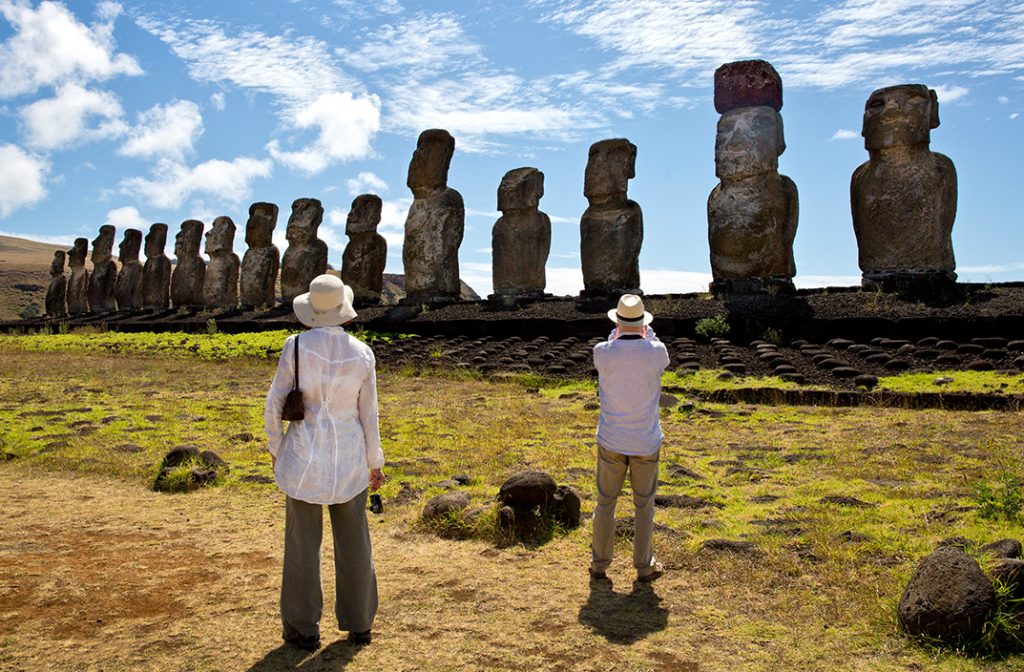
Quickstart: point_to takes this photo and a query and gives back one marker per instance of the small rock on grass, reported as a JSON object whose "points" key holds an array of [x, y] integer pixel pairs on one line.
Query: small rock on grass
{"points": [[948, 598], [942, 380], [728, 546], [527, 489], [844, 500], [668, 400], [685, 502], [1010, 572], [444, 505], [1004, 548]]}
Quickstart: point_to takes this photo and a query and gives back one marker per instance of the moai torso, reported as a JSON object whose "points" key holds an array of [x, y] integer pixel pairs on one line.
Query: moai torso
{"points": [[189, 269], [220, 287], [156, 274], [521, 238], [104, 272], [262, 260], [435, 224], [366, 253], [78, 282], [56, 293], [128, 288], [753, 212], [904, 197], [306, 256], [612, 227]]}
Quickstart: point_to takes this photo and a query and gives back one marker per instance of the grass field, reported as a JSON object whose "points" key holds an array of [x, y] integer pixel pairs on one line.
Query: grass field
{"points": [[99, 572]]}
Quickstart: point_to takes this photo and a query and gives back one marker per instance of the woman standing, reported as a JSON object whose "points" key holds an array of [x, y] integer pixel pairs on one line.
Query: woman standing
{"points": [[327, 458]]}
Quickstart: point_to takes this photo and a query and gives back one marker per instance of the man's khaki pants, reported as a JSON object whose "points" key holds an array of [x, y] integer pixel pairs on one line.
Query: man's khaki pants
{"points": [[643, 476], [302, 598]]}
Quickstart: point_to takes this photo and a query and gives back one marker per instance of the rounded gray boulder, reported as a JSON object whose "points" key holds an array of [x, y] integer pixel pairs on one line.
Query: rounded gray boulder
{"points": [[948, 597]]}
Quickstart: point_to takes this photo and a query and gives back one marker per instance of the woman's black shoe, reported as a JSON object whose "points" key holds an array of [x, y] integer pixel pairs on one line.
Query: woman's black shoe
{"points": [[306, 643], [360, 638]]}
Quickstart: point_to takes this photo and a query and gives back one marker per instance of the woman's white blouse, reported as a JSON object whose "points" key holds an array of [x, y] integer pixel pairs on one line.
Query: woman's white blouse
{"points": [[325, 458]]}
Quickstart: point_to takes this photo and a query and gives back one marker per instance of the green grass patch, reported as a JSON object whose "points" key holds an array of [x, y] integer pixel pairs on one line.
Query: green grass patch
{"points": [[962, 381]]}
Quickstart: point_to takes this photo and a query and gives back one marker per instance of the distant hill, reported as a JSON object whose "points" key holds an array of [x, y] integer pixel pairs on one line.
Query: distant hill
{"points": [[25, 275]]}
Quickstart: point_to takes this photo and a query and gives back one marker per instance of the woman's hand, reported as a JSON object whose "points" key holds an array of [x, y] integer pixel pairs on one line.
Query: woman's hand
{"points": [[376, 479]]}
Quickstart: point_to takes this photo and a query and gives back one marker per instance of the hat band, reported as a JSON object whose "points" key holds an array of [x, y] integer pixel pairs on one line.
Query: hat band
{"points": [[628, 320]]}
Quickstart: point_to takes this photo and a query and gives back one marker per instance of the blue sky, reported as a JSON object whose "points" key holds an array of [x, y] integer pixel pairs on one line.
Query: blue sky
{"points": [[137, 112]]}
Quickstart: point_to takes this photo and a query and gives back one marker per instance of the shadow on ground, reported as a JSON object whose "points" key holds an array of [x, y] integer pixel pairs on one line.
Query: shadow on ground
{"points": [[623, 618], [334, 656]]}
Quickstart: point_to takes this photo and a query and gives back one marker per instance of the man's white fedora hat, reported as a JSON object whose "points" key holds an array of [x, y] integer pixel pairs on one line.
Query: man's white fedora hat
{"points": [[630, 312], [328, 303]]}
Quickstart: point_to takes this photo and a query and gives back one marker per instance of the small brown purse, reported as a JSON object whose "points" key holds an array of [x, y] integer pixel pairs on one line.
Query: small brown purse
{"points": [[294, 407]]}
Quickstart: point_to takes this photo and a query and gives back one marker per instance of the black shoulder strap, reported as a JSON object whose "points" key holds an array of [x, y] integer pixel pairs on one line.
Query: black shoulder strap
{"points": [[296, 362]]}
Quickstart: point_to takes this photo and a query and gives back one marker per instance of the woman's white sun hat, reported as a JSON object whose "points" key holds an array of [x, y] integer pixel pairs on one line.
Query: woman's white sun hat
{"points": [[630, 312], [328, 303]]}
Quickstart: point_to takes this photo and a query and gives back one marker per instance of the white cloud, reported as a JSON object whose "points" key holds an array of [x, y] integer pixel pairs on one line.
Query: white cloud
{"points": [[392, 221], [50, 240], [364, 10], [174, 182], [66, 119], [347, 125], [21, 179], [559, 219], [50, 45], [947, 93], [164, 131], [423, 43], [127, 217], [1014, 115], [844, 134], [1003, 100], [217, 100], [485, 214], [365, 182]]}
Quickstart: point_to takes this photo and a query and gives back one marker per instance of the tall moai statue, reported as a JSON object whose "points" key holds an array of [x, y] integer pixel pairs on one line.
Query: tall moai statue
{"points": [[521, 238], [189, 268], [104, 272], [128, 288], [612, 227], [156, 274], [78, 282], [306, 256], [262, 260], [904, 196], [753, 212], [362, 266], [57, 292], [435, 223], [220, 288]]}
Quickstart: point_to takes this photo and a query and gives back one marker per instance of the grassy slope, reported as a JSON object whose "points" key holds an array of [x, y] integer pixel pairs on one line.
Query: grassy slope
{"points": [[24, 262]]}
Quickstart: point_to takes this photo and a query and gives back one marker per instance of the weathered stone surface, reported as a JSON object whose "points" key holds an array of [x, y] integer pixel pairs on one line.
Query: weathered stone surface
{"points": [[527, 489], [365, 256], [56, 293], [904, 197], [306, 256], [1004, 548], [1010, 572], [948, 597], [447, 504], [435, 223], [104, 272], [262, 261], [220, 285], [521, 238], [747, 84], [156, 274], [78, 282], [612, 227], [128, 287], [189, 268], [565, 507]]}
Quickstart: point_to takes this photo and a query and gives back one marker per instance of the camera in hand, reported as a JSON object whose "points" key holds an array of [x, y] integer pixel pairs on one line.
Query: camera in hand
{"points": [[376, 503]]}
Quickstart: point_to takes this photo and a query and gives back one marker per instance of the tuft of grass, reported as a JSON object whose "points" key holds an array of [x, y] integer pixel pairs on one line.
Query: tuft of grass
{"points": [[711, 327], [1002, 499], [963, 381]]}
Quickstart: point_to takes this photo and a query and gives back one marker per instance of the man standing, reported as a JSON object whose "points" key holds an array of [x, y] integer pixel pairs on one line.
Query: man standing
{"points": [[629, 367]]}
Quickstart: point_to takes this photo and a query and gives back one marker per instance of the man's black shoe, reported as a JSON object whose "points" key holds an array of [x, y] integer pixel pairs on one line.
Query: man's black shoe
{"points": [[360, 638], [306, 643]]}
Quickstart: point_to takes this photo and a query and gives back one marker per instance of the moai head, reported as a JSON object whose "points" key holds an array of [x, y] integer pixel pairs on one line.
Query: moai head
{"points": [[747, 84], [78, 252], [186, 243], [749, 142], [103, 245], [221, 237], [259, 230], [428, 170], [900, 116], [610, 166], [521, 188], [129, 248], [156, 240], [57, 265], [364, 215], [307, 214]]}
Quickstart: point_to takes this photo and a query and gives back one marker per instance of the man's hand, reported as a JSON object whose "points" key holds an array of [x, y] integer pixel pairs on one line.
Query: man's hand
{"points": [[376, 479]]}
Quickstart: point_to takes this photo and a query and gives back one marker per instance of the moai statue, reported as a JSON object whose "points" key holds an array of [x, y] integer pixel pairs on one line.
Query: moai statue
{"points": [[362, 266], [904, 196], [521, 238], [752, 213], [189, 268], [78, 283], [306, 256], [56, 293], [435, 224], [262, 260], [104, 272], [128, 289], [156, 275], [220, 288], [612, 227]]}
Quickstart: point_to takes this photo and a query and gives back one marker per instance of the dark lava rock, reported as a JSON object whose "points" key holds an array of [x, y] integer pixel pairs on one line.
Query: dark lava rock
{"points": [[784, 368], [737, 368], [728, 546], [764, 499], [1004, 548], [928, 342], [797, 378], [844, 500], [506, 518], [213, 460], [445, 505], [565, 507], [898, 364], [128, 448], [840, 343], [726, 375], [179, 455], [947, 345], [948, 359], [747, 84], [256, 478], [845, 372], [626, 527], [1015, 346], [462, 479], [970, 349], [685, 502], [202, 475], [990, 341], [668, 400], [1010, 572], [528, 489], [447, 484], [244, 437], [854, 537], [948, 598], [866, 380], [979, 365], [679, 471]]}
